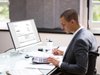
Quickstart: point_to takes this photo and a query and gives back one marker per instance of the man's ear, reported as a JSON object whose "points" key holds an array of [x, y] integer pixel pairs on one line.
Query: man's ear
{"points": [[72, 22]]}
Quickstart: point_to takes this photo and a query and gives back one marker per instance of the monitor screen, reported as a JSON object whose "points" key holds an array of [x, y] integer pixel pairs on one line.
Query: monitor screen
{"points": [[23, 33]]}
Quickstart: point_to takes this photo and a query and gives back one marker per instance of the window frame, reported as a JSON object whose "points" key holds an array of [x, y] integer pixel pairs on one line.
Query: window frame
{"points": [[94, 26], [3, 23]]}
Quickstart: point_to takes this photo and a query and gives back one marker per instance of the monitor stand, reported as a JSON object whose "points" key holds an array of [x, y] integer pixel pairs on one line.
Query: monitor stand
{"points": [[16, 52]]}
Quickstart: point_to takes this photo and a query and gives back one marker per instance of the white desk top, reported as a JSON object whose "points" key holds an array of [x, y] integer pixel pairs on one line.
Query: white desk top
{"points": [[17, 63]]}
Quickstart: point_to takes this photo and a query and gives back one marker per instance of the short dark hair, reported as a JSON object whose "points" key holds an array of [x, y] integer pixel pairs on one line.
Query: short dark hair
{"points": [[70, 14]]}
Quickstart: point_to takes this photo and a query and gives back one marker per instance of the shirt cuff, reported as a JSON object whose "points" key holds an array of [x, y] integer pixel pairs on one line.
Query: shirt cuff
{"points": [[60, 63]]}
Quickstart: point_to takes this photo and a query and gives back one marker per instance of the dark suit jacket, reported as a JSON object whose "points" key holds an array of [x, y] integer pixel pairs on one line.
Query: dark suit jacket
{"points": [[75, 61]]}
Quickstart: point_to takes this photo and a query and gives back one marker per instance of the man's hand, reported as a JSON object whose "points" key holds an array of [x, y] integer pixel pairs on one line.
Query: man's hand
{"points": [[57, 52], [53, 61]]}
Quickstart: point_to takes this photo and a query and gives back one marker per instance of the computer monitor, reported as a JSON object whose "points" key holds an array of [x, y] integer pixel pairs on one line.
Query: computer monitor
{"points": [[23, 33]]}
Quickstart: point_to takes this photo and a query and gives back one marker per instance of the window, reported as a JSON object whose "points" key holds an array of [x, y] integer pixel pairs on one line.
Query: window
{"points": [[94, 16], [4, 13]]}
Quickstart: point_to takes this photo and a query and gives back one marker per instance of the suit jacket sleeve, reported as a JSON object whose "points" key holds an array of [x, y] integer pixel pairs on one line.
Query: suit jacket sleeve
{"points": [[80, 56]]}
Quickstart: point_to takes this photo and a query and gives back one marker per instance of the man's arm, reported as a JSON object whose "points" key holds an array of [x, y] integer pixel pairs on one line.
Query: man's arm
{"points": [[80, 58], [57, 52]]}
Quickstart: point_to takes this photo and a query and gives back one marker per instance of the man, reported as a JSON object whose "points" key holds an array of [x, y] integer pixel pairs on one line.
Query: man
{"points": [[76, 57]]}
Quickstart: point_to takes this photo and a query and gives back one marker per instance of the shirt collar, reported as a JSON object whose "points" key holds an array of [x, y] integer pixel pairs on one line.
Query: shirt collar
{"points": [[78, 29]]}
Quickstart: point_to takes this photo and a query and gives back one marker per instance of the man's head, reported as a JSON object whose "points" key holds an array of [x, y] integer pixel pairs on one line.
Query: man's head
{"points": [[69, 21]]}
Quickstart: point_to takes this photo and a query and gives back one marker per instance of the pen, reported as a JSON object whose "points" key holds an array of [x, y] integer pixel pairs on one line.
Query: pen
{"points": [[57, 47]]}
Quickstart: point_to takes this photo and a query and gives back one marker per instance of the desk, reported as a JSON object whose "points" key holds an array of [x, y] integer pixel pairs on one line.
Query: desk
{"points": [[12, 63]]}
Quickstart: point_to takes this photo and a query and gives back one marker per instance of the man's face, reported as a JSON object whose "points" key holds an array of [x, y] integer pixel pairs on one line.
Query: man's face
{"points": [[66, 26]]}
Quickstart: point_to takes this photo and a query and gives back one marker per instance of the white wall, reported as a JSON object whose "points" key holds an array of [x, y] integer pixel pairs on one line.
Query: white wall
{"points": [[58, 39], [5, 41], [61, 39]]}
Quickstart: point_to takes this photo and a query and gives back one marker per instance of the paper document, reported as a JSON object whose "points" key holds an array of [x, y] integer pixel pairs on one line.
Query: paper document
{"points": [[41, 66], [26, 72], [27, 64]]}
